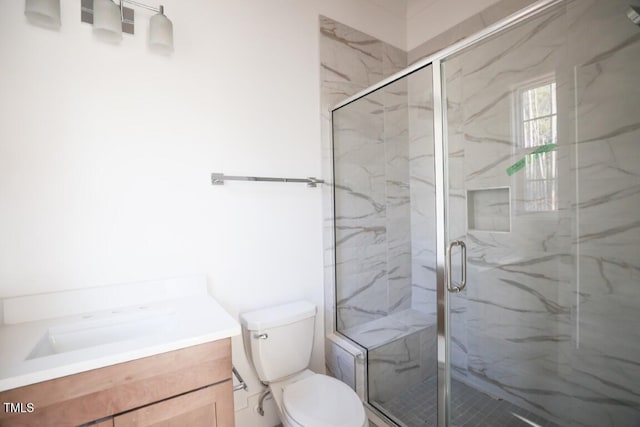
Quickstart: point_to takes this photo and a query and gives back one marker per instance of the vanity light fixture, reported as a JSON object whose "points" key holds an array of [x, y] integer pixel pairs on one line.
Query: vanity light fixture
{"points": [[161, 33], [111, 19], [107, 20], [633, 13], [43, 13]]}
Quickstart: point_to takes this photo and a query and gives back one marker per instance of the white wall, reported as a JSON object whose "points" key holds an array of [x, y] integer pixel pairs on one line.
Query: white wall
{"points": [[382, 19], [106, 151], [429, 18]]}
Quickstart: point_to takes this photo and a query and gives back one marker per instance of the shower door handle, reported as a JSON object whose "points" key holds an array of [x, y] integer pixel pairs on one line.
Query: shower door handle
{"points": [[463, 259]]}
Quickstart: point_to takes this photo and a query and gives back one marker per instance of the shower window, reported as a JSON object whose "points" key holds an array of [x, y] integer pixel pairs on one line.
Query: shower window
{"points": [[538, 136]]}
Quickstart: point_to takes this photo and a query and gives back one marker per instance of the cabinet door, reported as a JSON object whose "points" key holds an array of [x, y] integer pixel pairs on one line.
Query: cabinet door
{"points": [[103, 423], [208, 407]]}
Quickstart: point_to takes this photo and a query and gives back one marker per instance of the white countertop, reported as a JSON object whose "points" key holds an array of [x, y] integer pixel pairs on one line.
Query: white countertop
{"points": [[150, 318]]}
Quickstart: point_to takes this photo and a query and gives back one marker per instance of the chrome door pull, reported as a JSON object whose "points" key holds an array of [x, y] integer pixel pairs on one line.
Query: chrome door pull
{"points": [[463, 259], [260, 336]]}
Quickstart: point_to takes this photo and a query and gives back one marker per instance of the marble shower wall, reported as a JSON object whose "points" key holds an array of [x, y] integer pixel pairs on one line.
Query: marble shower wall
{"points": [[372, 234], [350, 62], [422, 192], [605, 366], [512, 322], [550, 318]]}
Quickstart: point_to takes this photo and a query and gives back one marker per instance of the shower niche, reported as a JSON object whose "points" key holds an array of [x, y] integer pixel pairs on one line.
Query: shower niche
{"points": [[489, 209]]}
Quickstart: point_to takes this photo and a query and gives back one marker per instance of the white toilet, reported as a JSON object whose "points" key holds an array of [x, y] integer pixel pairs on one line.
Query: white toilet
{"points": [[278, 342]]}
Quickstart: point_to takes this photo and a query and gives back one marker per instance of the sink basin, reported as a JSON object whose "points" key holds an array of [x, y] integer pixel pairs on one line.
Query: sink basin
{"points": [[57, 334], [103, 328]]}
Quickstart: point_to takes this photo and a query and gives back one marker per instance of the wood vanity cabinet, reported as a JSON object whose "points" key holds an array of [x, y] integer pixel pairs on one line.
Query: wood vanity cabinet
{"points": [[188, 387]]}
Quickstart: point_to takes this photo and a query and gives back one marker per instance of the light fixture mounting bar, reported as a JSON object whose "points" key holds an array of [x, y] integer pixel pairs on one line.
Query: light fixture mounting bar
{"points": [[128, 16], [108, 22], [159, 9]]}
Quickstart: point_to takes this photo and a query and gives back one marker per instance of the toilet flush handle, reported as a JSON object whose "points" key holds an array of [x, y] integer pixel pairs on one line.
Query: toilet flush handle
{"points": [[260, 336]]}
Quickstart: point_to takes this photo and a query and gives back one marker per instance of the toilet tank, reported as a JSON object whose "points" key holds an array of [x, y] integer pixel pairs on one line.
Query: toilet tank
{"points": [[278, 340]]}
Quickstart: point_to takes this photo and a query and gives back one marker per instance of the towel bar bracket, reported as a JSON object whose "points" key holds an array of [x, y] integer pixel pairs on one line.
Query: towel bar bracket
{"points": [[242, 385]]}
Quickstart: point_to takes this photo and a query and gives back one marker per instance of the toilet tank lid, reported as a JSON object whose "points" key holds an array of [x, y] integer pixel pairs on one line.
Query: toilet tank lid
{"points": [[280, 315]]}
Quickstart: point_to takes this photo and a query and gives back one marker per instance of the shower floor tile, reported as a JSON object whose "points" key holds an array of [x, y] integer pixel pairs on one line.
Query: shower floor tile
{"points": [[417, 407]]}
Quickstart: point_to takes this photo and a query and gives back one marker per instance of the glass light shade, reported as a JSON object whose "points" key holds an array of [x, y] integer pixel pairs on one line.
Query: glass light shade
{"points": [[634, 14], [161, 34], [107, 22], [43, 13]]}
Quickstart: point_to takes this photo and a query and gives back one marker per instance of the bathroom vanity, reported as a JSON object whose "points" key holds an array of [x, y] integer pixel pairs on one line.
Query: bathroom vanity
{"points": [[187, 387], [165, 361]]}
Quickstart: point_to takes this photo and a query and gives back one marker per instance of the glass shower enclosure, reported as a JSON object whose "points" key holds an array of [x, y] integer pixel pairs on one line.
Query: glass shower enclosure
{"points": [[487, 225]]}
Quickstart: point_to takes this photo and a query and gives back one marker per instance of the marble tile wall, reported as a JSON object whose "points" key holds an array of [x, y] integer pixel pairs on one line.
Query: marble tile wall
{"points": [[397, 196], [374, 254], [550, 317], [422, 191], [511, 308], [401, 352], [350, 62], [606, 364], [341, 364], [372, 234], [401, 364]]}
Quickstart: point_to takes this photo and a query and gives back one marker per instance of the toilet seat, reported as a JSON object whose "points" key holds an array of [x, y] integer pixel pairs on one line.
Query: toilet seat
{"points": [[322, 401]]}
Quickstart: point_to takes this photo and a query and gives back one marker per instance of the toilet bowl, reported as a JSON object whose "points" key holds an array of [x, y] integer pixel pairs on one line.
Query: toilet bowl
{"points": [[278, 342], [315, 400]]}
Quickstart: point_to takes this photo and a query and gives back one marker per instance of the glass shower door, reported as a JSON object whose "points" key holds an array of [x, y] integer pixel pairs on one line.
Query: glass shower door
{"points": [[542, 161], [384, 200]]}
